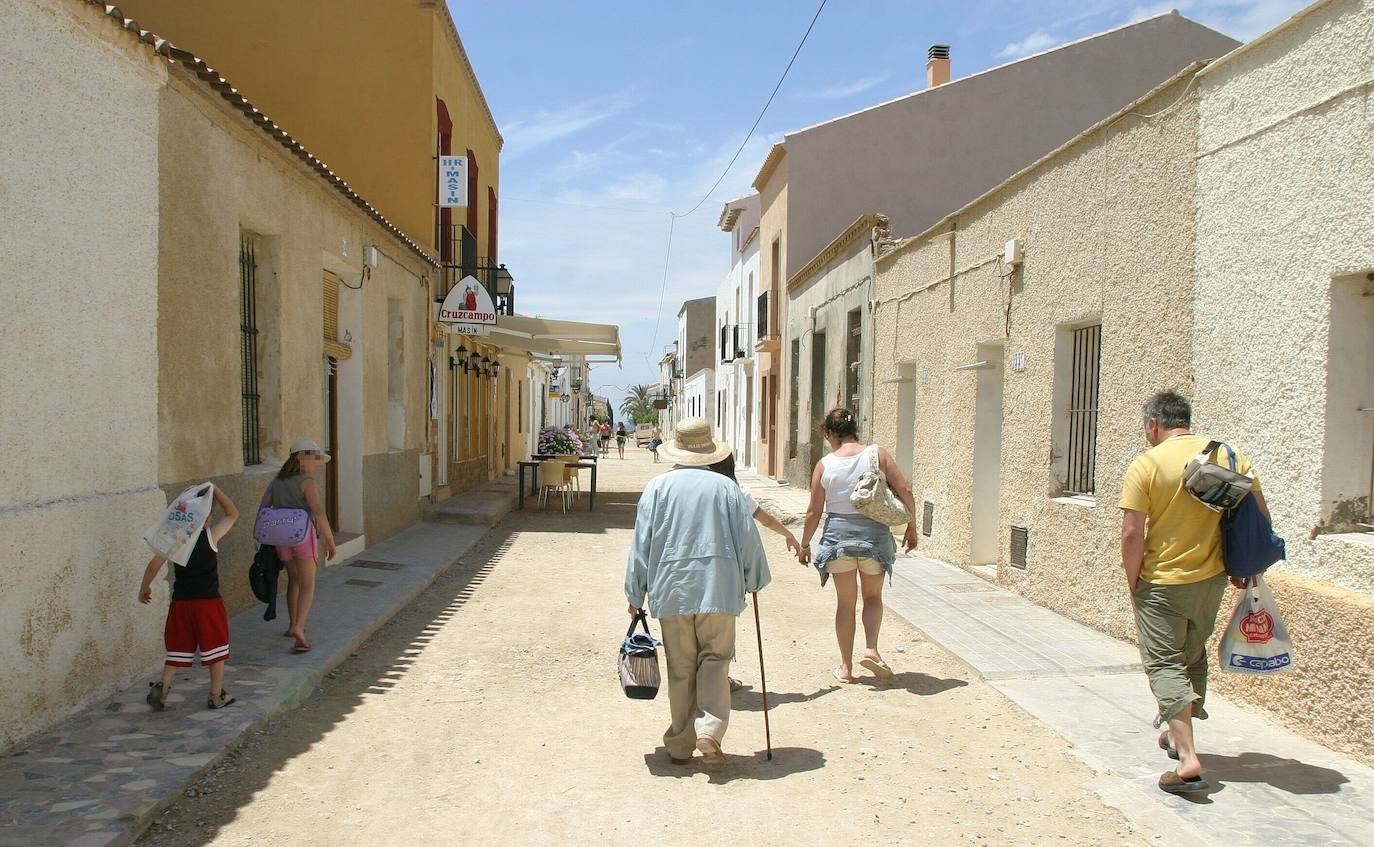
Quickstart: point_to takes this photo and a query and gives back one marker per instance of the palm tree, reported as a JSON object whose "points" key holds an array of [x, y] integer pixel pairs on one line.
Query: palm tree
{"points": [[637, 405]]}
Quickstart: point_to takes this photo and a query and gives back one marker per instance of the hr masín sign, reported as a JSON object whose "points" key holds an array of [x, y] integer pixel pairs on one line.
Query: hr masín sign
{"points": [[468, 309]]}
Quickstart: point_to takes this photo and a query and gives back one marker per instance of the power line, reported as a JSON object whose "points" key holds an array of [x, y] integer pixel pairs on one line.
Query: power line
{"points": [[673, 216]]}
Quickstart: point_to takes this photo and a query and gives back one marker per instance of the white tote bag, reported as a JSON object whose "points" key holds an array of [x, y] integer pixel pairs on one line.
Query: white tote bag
{"points": [[173, 537], [871, 496], [1256, 641]]}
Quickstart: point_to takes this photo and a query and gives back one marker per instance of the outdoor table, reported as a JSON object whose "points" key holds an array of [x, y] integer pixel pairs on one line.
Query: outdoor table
{"points": [[587, 463]]}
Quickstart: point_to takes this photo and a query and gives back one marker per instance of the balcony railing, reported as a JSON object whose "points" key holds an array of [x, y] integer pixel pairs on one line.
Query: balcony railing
{"points": [[461, 260], [762, 322], [732, 346]]}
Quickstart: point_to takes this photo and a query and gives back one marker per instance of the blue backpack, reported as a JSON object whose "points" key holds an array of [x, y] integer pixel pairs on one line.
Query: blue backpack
{"points": [[1248, 543]]}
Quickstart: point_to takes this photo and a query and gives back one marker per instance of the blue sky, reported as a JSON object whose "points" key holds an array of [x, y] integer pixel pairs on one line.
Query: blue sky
{"points": [[616, 113]]}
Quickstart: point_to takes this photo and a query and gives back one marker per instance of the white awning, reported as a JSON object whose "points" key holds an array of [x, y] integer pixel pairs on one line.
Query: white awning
{"points": [[553, 337]]}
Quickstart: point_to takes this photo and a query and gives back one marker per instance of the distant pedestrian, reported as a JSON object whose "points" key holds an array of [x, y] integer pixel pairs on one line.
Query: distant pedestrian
{"points": [[695, 555], [196, 619], [655, 439], [294, 488], [852, 543], [606, 438], [594, 430], [1171, 552], [620, 436]]}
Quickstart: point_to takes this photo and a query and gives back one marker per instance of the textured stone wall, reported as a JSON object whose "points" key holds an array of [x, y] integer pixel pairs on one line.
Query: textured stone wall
{"points": [[78, 430], [391, 490], [1285, 211], [1106, 225]]}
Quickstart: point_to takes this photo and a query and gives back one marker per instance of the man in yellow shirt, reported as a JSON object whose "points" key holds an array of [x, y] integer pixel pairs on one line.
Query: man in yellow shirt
{"points": [[1171, 552]]}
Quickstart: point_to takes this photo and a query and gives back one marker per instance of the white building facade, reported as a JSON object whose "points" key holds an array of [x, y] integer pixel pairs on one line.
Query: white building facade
{"points": [[736, 331], [699, 395]]}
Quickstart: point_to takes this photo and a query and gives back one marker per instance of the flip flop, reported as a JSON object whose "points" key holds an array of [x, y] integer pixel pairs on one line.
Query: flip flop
{"points": [[1166, 747], [878, 666], [300, 648], [1171, 782], [846, 680], [735, 685]]}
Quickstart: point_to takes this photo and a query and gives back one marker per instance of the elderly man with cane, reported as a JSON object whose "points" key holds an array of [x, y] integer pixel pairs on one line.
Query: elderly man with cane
{"points": [[695, 554]]}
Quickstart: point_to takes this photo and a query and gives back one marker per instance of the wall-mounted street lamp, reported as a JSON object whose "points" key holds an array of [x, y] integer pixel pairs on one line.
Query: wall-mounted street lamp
{"points": [[460, 357], [484, 366], [495, 369]]}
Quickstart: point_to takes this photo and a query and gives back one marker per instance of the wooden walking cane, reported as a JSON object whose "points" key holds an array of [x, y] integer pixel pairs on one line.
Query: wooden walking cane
{"points": [[763, 680]]}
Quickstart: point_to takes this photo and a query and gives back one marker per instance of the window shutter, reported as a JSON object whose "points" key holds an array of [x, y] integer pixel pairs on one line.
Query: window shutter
{"points": [[333, 348]]}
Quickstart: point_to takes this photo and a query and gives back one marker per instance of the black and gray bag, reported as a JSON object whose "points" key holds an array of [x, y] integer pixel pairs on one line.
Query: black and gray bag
{"points": [[638, 661]]}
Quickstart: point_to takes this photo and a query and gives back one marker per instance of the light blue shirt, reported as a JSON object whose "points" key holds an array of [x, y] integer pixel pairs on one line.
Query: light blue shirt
{"points": [[696, 550]]}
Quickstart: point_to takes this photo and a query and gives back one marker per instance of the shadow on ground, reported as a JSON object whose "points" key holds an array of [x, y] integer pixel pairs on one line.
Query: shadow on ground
{"points": [[756, 766], [1289, 775], [920, 684], [749, 700]]}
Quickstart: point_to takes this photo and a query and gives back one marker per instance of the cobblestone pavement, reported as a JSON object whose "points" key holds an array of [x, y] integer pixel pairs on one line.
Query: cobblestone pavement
{"points": [[1272, 787]]}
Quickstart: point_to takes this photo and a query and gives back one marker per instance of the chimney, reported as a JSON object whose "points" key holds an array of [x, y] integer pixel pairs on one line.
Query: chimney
{"points": [[937, 65]]}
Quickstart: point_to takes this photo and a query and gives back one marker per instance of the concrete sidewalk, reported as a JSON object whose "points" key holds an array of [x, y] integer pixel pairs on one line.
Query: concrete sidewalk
{"points": [[100, 777], [1270, 786]]}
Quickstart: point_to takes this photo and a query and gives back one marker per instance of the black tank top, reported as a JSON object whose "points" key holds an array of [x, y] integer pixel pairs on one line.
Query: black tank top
{"points": [[199, 578]]}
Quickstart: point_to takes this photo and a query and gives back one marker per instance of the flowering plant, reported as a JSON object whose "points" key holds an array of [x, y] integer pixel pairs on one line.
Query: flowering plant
{"points": [[559, 441]]}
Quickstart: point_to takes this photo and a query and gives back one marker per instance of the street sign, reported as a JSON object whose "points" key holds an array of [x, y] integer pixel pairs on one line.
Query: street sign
{"points": [[453, 181], [468, 309]]}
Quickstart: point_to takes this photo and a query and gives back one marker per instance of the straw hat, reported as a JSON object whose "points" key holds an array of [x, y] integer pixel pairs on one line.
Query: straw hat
{"points": [[692, 444]]}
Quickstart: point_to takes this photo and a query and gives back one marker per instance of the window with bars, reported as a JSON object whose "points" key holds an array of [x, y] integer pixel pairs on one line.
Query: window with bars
{"points": [[794, 398], [1079, 355], [853, 346], [248, 345]]}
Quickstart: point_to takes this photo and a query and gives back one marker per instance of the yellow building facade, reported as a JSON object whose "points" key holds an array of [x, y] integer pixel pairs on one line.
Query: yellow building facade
{"points": [[379, 91]]}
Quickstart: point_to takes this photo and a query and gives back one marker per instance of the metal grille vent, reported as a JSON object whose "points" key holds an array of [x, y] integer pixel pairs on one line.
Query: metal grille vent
{"points": [[1020, 540], [927, 518]]}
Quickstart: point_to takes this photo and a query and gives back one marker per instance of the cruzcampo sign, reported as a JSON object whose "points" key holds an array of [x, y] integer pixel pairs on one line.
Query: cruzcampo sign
{"points": [[468, 309]]}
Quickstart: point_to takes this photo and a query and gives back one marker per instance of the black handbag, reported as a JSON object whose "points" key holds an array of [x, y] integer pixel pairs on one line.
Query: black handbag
{"points": [[263, 576]]}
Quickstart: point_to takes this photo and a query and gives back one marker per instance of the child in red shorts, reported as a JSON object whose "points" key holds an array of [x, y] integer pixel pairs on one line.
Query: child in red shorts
{"points": [[196, 619]]}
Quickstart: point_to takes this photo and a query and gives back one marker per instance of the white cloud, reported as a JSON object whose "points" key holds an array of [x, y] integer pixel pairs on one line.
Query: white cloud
{"points": [[1033, 43], [545, 126], [839, 91], [594, 251]]}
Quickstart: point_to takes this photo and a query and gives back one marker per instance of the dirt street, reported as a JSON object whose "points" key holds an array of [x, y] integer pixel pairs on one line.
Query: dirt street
{"points": [[489, 713]]}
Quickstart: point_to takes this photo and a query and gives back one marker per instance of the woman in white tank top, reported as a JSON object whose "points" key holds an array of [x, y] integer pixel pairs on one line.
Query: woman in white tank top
{"points": [[857, 551]]}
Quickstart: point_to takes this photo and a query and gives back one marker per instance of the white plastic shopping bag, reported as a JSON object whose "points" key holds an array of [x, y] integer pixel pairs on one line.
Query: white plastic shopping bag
{"points": [[1256, 641], [173, 537]]}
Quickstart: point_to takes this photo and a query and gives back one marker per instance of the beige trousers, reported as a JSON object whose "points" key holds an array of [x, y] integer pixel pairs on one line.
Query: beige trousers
{"points": [[698, 649]]}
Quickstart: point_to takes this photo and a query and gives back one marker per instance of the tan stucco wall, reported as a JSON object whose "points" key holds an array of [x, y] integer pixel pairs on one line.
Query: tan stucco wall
{"points": [[841, 286], [78, 191], [220, 177], [1286, 204], [773, 226], [471, 126], [919, 157], [1107, 231], [369, 115]]}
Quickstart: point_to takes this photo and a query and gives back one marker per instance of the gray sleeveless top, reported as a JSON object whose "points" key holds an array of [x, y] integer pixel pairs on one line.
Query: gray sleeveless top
{"points": [[288, 493]]}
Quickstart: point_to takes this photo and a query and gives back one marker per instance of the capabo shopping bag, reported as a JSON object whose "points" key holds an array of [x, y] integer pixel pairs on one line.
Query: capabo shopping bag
{"points": [[173, 537], [1256, 641]]}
